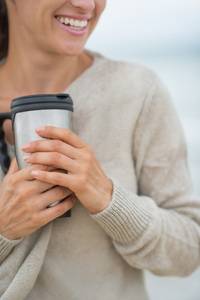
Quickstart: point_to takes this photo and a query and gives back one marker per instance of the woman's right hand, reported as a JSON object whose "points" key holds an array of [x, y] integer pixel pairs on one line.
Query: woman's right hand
{"points": [[24, 202]]}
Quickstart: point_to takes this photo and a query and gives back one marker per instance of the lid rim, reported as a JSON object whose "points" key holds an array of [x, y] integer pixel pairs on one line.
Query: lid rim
{"points": [[42, 98]]}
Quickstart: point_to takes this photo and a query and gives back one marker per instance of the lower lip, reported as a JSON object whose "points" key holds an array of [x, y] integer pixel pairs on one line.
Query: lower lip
{"points": [[73, 31]]}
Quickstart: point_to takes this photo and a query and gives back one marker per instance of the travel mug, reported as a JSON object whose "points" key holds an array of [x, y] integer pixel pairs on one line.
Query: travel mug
{"points": [[33, 111]]}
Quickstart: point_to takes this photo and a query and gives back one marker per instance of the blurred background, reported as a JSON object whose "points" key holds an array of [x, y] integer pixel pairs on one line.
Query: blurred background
{"points": [[165, 36]]}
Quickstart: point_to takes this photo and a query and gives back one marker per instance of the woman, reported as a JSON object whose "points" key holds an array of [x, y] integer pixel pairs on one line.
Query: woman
{"points": [[125, 162]]}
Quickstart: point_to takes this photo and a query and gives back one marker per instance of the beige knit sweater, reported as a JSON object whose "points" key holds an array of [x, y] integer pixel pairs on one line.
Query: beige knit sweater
{"points": [[124, 113]]}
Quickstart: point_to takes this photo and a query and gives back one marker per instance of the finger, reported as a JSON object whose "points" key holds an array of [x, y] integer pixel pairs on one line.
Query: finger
{"points": [[57, 160], [50, 146], [63, 134], [24, 178], [53, 178], [25, 173], [51, 213], [38, 187], [57, 193]]}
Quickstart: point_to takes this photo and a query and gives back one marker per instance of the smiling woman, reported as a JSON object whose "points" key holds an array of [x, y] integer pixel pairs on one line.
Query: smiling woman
{"points": [[122, 170]]}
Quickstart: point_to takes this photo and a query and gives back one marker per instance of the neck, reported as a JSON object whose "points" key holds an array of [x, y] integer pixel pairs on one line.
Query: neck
{"points": [[37, 73], [31, 67]]}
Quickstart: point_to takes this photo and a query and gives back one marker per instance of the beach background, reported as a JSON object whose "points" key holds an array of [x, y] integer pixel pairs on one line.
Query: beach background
{"points": [[165, 36]]}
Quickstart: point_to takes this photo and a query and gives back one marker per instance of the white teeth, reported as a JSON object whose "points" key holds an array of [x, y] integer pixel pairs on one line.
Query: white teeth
{"points": [[77, 23], [66, 21], [74, 24], [83, 23]]}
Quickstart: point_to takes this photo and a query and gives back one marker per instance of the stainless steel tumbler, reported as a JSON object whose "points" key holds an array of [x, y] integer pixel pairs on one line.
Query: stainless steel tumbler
{"points": [[29, 112], [38, 110], [32, 111]]}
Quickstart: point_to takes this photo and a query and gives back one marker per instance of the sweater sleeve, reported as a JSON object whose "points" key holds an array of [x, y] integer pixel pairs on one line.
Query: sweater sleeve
{"points": [[159, 228], [6, 246], [19, 270]]}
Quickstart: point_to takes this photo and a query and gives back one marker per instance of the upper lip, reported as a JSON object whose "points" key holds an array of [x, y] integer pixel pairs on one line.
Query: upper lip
{"points": [[76, 17]]}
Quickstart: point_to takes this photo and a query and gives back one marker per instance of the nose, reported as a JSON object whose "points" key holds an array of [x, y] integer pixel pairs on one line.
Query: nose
{"points": [[83, 4]]}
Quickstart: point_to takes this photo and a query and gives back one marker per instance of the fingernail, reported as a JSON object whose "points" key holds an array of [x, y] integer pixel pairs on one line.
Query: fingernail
{"points": [[25, 146], [27, 157], [39, 129], [35, 173]]}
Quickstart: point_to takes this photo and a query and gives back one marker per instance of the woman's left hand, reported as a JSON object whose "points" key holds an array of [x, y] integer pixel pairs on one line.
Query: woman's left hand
{"points": [[84, 175]]}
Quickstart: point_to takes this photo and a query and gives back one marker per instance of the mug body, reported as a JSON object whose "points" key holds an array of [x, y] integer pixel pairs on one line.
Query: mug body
{"points": [[25, 122], [29, 112]]}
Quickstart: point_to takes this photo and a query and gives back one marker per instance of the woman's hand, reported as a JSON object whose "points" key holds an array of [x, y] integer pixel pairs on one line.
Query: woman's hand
{"points": [[65, 150], [24, 202]]}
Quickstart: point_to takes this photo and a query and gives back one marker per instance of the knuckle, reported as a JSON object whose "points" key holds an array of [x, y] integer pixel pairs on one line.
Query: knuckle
{"points": [[39, 167], [89, 149], [82, 182], [34, 156], [49, 129], [43, 175], [58, 177], [21, 195], [85, 169], [24, 209], [60, 192], [12, 181], [55, 156], [69, 133], [56, 144], [28, 208], [87, 154], [88, 157], [59, 209], [35, 144], [36, 220], [20, 192], [18, 196]]}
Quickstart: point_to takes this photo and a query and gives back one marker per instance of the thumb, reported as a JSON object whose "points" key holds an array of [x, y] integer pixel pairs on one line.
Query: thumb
{"points": [[13, 167]]}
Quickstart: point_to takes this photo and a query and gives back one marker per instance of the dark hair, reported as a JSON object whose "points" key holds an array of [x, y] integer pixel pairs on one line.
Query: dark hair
{"points": [[3, 29]]}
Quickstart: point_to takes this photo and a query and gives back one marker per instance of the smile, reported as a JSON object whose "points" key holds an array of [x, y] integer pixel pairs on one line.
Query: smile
{"points": [[73, 23]]}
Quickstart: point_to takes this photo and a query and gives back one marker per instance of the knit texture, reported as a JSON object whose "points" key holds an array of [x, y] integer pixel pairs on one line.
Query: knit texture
{"points": [[124, 112]]}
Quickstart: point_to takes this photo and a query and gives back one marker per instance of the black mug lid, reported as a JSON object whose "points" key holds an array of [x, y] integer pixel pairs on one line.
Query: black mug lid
{"points": [[41, 101]]}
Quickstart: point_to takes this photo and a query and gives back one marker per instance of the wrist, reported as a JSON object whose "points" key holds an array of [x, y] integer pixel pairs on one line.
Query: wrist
{"points": [[104, 198]]}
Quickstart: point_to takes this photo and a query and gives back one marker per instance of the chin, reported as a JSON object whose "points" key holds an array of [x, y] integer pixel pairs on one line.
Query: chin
{"points": [[73, 53], [67, 46], [71, 50]]}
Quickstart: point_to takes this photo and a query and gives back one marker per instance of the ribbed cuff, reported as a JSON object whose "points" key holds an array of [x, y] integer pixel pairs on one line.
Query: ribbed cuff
{"points": [[127, 215], [6, 246]]}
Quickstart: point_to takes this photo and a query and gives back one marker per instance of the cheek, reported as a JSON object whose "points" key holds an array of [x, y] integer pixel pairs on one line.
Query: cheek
{"points": [[102, 4], [99, 7], [24, 13]]}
